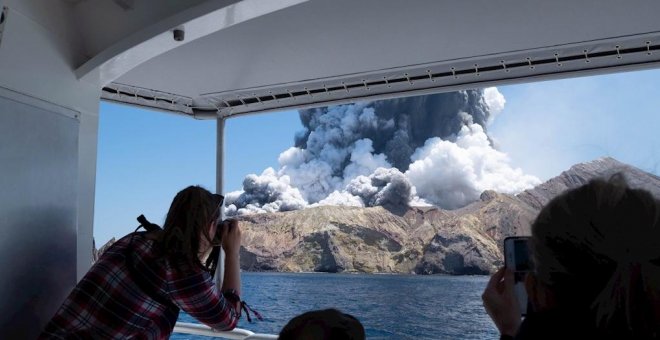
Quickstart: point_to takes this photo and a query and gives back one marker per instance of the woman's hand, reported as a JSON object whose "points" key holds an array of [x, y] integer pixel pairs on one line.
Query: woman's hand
{"points": [[231, 236], [500, 302]]}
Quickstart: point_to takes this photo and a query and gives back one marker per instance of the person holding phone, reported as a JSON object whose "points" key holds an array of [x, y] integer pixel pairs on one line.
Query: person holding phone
{"points": [[595, 253], [138, 286]]}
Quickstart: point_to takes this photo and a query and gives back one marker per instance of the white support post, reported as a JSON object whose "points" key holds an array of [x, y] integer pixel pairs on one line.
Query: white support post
{"points": [[219, 187], [197, 329], [220, 156]]}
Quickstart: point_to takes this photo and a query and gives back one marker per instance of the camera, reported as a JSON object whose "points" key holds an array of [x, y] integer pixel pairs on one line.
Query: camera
{"points": [[221, 226], [178, 34]]}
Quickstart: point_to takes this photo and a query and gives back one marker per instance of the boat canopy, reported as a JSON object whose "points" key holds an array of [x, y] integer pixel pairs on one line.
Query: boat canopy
{"points": [[252, 56]]}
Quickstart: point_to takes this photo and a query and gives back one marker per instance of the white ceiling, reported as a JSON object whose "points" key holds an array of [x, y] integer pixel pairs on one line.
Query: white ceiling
{"points": [[322, 43]]}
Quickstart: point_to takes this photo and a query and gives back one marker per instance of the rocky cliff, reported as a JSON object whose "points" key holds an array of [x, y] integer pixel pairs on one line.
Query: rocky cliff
{"points": [[420, 240], [581, 173], [96, 254]]}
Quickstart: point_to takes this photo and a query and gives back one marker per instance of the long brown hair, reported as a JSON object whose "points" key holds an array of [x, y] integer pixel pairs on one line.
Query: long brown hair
{"points": [[193, 209], [597, 248]]}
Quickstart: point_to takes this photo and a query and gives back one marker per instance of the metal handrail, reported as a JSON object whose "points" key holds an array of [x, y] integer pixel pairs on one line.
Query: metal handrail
{"points": [[236, 333]]}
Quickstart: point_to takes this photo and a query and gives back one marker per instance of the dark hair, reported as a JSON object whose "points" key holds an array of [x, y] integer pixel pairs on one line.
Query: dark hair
{"points": [[324, 324], [597, 248], [191, 212]]}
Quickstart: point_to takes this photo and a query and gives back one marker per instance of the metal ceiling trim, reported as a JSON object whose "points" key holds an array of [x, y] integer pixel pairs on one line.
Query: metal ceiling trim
{"points": [[443, 77], [128, 94], [639, 52]]}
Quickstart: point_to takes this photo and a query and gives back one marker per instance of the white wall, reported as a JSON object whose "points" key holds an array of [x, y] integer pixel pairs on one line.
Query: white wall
{"points": [[38, 211], [48, 155]]}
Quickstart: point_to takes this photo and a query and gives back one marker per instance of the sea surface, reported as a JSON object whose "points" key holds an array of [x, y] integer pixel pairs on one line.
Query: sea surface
{"points": [[389, 306]]}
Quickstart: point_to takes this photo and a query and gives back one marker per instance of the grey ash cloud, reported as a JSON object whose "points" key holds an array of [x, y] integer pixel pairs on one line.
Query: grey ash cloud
{"points": [[408, 151]]}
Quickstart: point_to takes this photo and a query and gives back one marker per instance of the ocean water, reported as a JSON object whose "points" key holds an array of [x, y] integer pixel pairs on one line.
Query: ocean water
{"points": [[389, 306]]}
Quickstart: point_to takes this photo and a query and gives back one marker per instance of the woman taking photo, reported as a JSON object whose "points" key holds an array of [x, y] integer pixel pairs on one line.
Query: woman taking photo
{"points": [[140, 283]]}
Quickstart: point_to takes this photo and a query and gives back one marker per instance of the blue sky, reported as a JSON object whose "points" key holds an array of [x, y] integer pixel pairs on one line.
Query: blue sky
{"points": [[146, 157], [547, 126]]}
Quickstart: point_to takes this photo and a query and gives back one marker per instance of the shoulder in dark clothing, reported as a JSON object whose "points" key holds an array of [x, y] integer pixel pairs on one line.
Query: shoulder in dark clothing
{"points": [[564, 325]]}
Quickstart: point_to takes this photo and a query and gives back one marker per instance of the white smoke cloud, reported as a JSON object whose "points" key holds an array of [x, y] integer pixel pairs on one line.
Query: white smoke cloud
{"points": [[344, 157], [270, 187], [495, 102], [452, 174], [363, 162], [383, 187], [341, 198], [334, 154], [314, 178]]}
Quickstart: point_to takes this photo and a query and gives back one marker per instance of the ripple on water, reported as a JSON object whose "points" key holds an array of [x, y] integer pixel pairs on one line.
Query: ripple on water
{"points": [[389, 306]]}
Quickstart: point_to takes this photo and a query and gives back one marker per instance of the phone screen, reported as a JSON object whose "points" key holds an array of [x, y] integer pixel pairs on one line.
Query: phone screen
{"points": [[516, 258]]}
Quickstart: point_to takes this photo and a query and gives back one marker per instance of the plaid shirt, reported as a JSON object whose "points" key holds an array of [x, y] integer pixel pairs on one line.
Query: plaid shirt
{"points": [[133, 292]]}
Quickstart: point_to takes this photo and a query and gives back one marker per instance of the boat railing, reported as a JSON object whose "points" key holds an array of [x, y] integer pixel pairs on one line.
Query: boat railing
{"points": [[236, 333]]}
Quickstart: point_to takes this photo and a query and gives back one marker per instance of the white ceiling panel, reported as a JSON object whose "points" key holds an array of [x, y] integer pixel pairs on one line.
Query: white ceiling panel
{"points": [[324, 51]]}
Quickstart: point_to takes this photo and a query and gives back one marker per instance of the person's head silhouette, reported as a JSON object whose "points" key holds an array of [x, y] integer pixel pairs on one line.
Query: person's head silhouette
{"points": [[596, 254], [324, 324]]}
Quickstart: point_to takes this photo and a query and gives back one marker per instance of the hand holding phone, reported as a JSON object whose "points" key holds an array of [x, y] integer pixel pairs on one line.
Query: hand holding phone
{"points": [[501, 303], [517, 259]]}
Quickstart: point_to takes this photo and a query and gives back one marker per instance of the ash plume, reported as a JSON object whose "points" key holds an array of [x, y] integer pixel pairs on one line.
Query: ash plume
{"points": [[420, 150], [396, 127]]}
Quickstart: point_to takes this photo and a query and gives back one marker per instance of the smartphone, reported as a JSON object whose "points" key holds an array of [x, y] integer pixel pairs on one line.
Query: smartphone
{"points": [[517, 259]]}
